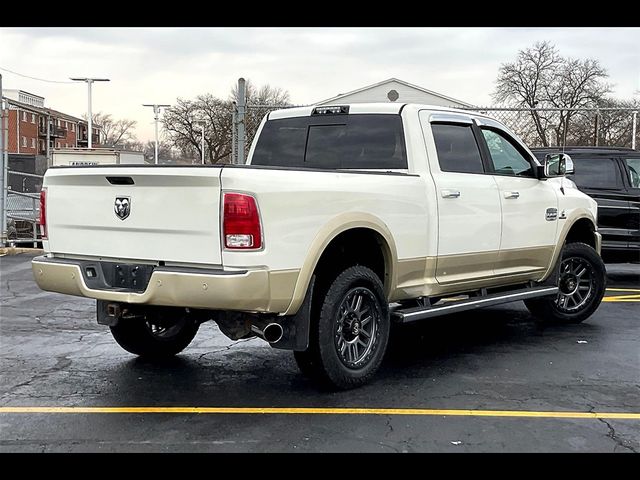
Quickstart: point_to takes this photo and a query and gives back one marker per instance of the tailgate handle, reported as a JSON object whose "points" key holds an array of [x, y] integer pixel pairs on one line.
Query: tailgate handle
{"points": [[120, 180]]}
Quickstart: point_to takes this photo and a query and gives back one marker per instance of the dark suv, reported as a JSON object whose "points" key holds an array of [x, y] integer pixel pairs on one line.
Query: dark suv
{"points": [[611, 176]]}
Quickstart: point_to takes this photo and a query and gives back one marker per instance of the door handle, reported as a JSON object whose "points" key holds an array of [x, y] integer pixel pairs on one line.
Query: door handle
{"points": [[511, 194], [450, 193]]}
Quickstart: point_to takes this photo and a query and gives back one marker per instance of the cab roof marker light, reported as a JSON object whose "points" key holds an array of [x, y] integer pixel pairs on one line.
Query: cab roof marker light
{"points": [[334, 110]]}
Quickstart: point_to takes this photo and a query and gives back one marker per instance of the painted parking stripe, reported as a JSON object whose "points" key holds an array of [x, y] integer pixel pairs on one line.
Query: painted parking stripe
{"points": [[633, 295], [320, 411], [622, 298]]}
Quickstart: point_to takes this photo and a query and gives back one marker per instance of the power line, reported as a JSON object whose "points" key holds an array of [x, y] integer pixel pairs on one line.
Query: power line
{"points": [[32, 78]]}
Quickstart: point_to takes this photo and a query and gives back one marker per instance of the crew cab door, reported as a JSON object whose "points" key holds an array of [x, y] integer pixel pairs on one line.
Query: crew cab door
{"points": [[632, 167], [600, 177], [529, 205], [469, 220]]}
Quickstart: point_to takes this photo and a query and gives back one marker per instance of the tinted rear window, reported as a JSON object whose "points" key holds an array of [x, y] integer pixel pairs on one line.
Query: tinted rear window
{"points": [[332, 142], [457, 148], [600, 173]]}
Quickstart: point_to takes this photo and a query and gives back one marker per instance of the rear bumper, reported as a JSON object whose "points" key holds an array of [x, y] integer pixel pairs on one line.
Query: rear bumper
{"points": [[252, 290]]}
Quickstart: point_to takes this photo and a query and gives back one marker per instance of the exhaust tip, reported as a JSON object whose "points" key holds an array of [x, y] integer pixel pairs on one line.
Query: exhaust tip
{"points": [[273, 332]]}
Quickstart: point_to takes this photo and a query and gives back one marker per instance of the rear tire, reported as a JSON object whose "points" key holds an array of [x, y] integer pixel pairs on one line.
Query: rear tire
{"points": [[163, 332], [349, 335], [582, 278]]}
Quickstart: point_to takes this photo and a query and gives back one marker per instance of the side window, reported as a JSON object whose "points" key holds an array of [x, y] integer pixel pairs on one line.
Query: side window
{"points": [[457, 148], [505, 157], [601, 173], [281, 143], [633, 166]]}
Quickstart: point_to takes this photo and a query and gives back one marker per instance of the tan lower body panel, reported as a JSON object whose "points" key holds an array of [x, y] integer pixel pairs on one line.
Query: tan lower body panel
{"points": [[255, 290], [522, 260], [431, 276], [465, 267]]}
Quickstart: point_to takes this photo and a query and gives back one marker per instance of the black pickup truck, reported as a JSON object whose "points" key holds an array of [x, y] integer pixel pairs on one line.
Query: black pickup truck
{"points": [[611, 176]]}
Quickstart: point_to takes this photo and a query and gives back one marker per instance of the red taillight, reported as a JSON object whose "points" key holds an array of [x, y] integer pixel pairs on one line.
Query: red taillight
{"points": [[241, 222], [43, 213]]}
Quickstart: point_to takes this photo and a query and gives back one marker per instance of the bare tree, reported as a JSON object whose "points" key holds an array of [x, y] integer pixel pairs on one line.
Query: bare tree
{"points": [[577, 84], [181, 123], [522, 83], [541, 78], [614, 127], [114, 133]]}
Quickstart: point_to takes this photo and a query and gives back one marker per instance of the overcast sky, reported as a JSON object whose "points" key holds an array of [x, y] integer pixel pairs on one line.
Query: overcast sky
{"points": [[156, 65]]}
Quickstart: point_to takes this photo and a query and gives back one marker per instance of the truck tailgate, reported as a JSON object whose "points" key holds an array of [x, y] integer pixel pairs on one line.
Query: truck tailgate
{"points": [[174, 213]]}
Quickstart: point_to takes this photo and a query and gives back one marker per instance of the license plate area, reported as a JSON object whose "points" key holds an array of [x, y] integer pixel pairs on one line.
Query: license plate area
{"points": [[127, 276], [117, 276]]}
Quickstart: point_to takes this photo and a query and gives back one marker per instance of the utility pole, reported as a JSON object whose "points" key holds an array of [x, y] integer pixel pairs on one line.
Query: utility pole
{"points": [[89, 82], [240, 118], [234, 134], [633, 130], [156, 116], [202, 128]]}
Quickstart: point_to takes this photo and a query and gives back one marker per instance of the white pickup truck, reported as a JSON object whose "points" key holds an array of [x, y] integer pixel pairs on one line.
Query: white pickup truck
{"points": [[344, 220]]}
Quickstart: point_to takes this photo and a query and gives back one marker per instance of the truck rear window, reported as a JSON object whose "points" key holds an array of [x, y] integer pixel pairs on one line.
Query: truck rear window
{"points": [[333, 142]]}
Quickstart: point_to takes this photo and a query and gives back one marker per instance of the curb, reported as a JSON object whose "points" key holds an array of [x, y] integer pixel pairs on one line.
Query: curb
{"points": [[18, 251]]}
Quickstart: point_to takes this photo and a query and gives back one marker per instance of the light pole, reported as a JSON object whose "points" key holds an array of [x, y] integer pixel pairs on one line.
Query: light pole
{"points": [[89, 114], [156, 113]]}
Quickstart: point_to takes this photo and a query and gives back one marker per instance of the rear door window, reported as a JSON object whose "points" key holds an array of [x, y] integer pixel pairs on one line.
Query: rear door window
{"points": [[598, 173], [633, 169], [457, 148]]}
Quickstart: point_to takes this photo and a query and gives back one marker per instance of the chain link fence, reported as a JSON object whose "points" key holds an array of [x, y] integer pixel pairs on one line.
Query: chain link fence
{"points": [[611, 127], [23, 208], [551, 127]]}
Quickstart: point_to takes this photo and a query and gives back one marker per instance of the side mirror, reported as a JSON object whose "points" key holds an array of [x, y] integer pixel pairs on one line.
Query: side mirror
{"points": [[557, 165]]}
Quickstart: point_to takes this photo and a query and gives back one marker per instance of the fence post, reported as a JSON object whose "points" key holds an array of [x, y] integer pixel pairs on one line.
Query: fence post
{"points": [[633, 130], [35, 223], [3, 177], [234, 133], [240, 118], [4, 163], [595, 132]]}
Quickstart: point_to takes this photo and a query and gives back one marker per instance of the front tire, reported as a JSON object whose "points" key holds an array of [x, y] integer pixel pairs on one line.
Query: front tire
{"points": [[349, 336], [161, 333], [582, 279]]}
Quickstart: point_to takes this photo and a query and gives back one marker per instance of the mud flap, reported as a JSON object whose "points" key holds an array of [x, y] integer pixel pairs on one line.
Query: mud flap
{"points": [[296, 327]]}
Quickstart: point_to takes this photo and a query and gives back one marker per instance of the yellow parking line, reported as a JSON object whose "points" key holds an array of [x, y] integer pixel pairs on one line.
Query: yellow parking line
{"points": [[622, 298], [323, 411]]}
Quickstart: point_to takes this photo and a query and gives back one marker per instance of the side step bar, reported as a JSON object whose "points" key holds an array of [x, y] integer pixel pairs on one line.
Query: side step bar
{"points": [[419, 313]]}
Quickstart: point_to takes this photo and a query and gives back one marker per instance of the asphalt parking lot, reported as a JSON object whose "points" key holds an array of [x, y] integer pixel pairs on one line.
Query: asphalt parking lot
{"points": [[476, 382]]}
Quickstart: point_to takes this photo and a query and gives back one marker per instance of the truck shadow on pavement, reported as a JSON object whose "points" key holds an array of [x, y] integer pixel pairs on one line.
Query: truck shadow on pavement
{"points": [[257, 375]]}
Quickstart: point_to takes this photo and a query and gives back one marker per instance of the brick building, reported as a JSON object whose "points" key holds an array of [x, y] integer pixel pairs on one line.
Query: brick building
{"points": [[31, 124]]}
